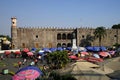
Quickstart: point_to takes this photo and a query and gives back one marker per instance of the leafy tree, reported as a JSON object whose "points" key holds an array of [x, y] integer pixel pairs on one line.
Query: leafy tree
{"points": [[86, 41], [100, 33], [57, 59], [116, 26], [7, 36]]}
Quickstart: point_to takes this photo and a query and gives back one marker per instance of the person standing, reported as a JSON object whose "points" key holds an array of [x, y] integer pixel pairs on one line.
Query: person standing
{"points": [[19, 64]]}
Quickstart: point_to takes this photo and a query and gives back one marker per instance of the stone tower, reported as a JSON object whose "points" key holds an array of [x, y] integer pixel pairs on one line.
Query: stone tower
{"points": [[14, 32]]}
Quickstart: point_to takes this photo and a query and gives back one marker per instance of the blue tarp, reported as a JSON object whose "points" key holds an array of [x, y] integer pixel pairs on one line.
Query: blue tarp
{"points": [[53, 49], [103, 48], [33, 49], [60, 49], [96, 48], [69, 48], [89, 48], [46, 49]]}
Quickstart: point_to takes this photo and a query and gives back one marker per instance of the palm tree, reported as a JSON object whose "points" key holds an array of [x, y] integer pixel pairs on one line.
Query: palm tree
{"points": [[100, 33]]}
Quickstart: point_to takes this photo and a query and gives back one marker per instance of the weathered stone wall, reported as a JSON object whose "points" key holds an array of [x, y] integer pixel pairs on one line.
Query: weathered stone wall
{"points": [[47, 37]]}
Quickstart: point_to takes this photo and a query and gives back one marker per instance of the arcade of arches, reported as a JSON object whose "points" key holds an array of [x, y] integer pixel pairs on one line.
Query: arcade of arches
{"points": [[64, 37]]}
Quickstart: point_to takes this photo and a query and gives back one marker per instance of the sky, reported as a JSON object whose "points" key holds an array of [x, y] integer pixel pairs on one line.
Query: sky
{"points": [[59, 13]]}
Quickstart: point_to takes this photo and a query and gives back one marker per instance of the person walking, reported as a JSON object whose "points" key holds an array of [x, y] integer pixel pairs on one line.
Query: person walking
{"points": [[19, 64], [36, 62], [24, 61]]}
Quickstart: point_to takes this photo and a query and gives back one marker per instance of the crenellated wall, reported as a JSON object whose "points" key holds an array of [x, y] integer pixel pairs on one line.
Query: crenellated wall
{"points": [[53, 36]]}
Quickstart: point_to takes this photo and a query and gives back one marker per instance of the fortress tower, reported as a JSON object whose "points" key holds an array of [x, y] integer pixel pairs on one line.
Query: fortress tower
{"points": [[14, 32]]}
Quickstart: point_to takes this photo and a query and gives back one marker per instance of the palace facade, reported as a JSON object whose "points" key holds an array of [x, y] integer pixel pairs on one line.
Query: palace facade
{"points": [[53, 37]]}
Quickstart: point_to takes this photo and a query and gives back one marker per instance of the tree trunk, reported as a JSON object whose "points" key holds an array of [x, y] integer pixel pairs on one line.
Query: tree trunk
{"points": [[100, 41]]}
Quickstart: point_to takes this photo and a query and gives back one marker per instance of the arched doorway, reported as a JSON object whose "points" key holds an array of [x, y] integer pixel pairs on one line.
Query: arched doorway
{"points": [[59, 45], [64, 45], [69, 45]]}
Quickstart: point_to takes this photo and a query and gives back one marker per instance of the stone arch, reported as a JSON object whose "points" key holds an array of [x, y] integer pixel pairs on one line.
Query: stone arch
{"points": [[64, 45], [59, 45], [69, 36], [63, 36], [58, 36], [69, 45]]}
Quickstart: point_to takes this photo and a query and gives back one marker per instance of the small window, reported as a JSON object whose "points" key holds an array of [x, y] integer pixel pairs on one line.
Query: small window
{"points": [[115, 35], [13, 22], [23, 45], [83, 36], [36, 36]]}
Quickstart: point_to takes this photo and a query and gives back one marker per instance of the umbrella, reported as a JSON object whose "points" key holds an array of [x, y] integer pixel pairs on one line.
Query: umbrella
{"points": [[73, 57], [7, 52], [18, 52], [41, 52], [83, 70], [25, 50], [96, 55], [59, 48], [111, 52], [33, 49], [29, 72], [103, 48], [103, 54], [89, 48], [96, 48], [82, 49], [53, 49], [85, 53], [68, 48], [29, 53], [46, 50], [94, 60]]}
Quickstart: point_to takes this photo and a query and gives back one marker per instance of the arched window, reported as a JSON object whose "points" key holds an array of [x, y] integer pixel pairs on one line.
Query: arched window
{"points": [[63, 45], [69, 45], [69, 36], [59, 45], [63, 36], [58, 36]]}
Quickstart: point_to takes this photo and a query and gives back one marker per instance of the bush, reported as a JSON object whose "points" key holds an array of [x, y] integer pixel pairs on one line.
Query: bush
{"points": [[58, 59]]}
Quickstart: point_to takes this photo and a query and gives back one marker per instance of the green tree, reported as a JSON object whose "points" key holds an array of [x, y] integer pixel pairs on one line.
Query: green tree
{"points": [[57, 59], [116, 26], [7, 36], [100, 32]]}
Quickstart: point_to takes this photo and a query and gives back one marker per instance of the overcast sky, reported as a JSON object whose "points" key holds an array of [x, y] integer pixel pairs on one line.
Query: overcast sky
{"points": [[59, 13]]}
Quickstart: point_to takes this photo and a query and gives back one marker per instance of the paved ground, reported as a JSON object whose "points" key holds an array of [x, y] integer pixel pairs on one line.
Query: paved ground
{"points": [[12, 65]]}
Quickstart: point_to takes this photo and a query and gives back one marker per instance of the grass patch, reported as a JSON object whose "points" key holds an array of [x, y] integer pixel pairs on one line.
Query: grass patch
{"points": [[2, 64], [11, 73], [15, 64]]}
